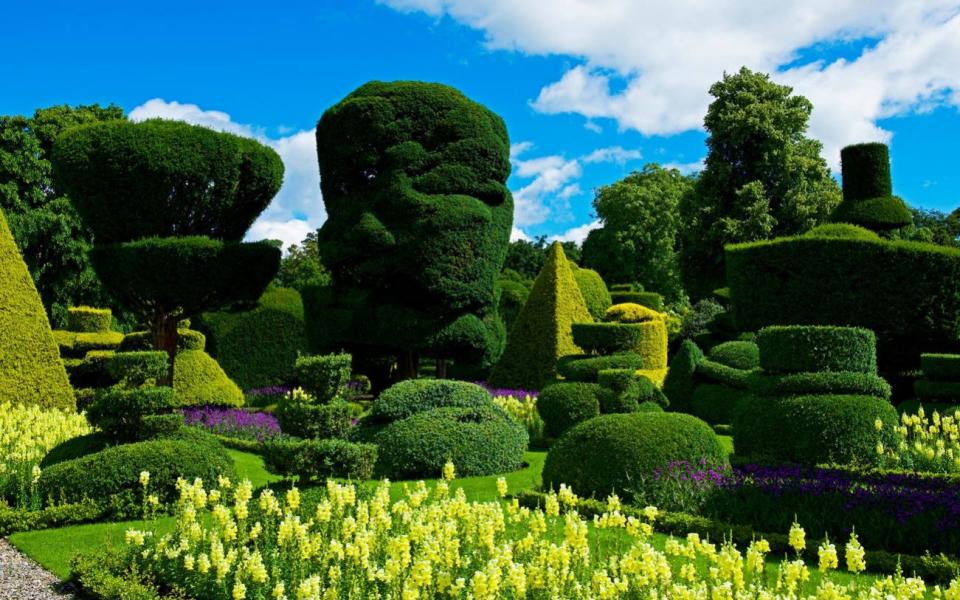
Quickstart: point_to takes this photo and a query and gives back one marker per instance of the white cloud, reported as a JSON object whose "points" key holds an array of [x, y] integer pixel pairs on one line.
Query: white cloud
{"points": [[517, 234], [662, 56], [298, 207], [554, 181], [686, 168], [577, 234]]}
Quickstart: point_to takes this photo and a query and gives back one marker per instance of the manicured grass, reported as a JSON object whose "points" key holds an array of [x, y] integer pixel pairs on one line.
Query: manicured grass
{"points": [[250, 466], [727, 442]]}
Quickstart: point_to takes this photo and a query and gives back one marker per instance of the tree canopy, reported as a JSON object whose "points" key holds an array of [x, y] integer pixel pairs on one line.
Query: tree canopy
{"points": [[526, 257], [762, 176]]}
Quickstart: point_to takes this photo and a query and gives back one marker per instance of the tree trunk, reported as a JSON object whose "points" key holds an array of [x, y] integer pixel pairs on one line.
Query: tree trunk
{"points": [[165, 339], [441, 368], [407, 365]]}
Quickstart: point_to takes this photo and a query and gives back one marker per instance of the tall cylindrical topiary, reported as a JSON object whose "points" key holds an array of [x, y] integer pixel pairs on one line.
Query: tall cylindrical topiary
{"points": [[868, 198]]}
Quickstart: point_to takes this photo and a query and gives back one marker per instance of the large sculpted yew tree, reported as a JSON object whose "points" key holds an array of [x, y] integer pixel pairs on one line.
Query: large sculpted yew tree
{"points": [[414, 181], [168, 204]]}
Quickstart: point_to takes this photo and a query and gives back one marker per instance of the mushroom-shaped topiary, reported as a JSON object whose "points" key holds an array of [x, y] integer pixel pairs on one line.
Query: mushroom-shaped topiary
{"points": [[868, 198]]}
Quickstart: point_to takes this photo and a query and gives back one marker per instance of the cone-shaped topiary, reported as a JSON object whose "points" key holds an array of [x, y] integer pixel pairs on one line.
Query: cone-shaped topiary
{"points": [[594, 291], [542, 331], [868, 198], [31, 371]]}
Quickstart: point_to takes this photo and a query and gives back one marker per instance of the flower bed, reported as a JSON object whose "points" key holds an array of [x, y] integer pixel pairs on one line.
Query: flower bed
{"points": [[233, 422]]}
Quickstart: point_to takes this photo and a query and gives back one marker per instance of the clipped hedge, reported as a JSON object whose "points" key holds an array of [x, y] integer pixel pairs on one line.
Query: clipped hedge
{"points": [[631, 313], [940, 366], [935, 390], [414, 396], [838, 382], [615, 453], [31, 371], [649, 299], [715, 403], [631, 390], [737, 354], [513, 295], [91, 370], [842, 230], [332, 420], [563, 405], [199, 381], [888, 212], [479, 441], [679, 383], [586, 367], [320, 459], [722, 374], [805, 348], [812, 429], [257, 347], [112, 476], [119, 413], [87, 319], [820, 281], [187, 339], [137, 368], [325, 376], [77, 345], [594, 291], [865, 169]]}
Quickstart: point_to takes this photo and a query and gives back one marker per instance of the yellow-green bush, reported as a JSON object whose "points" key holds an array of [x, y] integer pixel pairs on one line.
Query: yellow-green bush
{"points": [[87, 319], [199, 381], [76, 345], [652, 345], [629, 312], [31, 371]]}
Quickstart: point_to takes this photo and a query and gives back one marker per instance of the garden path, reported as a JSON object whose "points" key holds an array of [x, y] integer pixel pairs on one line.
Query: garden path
{"points": [[23, 579]]}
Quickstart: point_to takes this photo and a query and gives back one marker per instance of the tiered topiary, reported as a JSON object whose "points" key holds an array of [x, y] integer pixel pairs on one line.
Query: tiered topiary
{"points": [[816, 399], [542, 331], [939, 388], [722, 380], [31, 371], [633, 293], [317, 410], [257, 347], [86, 344], [629, 328], [594, 290], [418, 425], [680, 381], [868, 198]]}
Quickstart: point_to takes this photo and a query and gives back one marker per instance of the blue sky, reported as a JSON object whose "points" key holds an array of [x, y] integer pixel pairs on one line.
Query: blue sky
{"points": [[590, 90]]}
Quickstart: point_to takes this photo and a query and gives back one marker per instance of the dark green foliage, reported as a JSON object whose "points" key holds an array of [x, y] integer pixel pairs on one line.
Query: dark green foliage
{"points": [[866, 171], [479, 441], [586, 367], [608, 337], [526, 257], [165, 178], [199, 381], [715, 403], [841, 230], [542, 331], [805, 348], [111, 476], [679, 383], [322, 421], [811, 430], [626, 287], [876, 213], [649, 299], [158, 426], [912, 407], [91, 370], [13, 520], [719, 373], [513, 295], [325, 377], [837, 382], [563, 405], [594, 292], [319, 458], [134, 369], [940, 366], [631, 391], [300, 267], [736, 354], [695, 323], [119, 413], [762, 176], [414, 181], [637, 238], [935, 390], [851, 282], [407, 398], [614, 453], [105, 574], [86, 319], [187, 339], [75, 448], [31, 371]]}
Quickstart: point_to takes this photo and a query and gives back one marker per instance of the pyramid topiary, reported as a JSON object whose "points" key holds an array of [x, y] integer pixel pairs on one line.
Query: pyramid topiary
{"points": [[542, 331], [868, 198], [31, 371], [594, 291]]}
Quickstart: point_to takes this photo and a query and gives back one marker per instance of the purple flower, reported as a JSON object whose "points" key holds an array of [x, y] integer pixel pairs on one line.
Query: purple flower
{"points": [[233, 422]]}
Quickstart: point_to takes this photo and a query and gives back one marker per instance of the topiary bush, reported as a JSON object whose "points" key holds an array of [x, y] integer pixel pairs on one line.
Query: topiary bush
{"points": [[868, 198], [812, 429], [608, 338], [134, 369], [724, 375], [479, 441], [805, 348], [837, 382], [86, 319], [651, 300], [199, 381], [940, 366], [594, 291], [319, 458], [630, 391], [616, 453], [112, 476], [630, 313], [257, 347], [187, 339], [934, 390], [119, 413], [563, 405], [714, 403], [322, 421], [77, 345], [586, 367], [842, 230], [326, 376], [413, 396], [679, 383], [737, 354], [513, 295]]}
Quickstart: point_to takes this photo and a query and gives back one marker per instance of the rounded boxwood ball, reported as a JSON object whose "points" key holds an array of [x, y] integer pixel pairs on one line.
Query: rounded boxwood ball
{"points": [[614, 453], [479, 441], [413, 396], [563, 405]]}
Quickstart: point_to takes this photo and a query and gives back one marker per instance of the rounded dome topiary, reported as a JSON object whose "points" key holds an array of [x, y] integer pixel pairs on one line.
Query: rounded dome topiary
{"points": [[615, 453], [413, 396], [479, 441], [563, 405], [199, 381], [629, 312], [842, 230], [814, 429], [594, 291], [737, 354], [816, 348]]}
